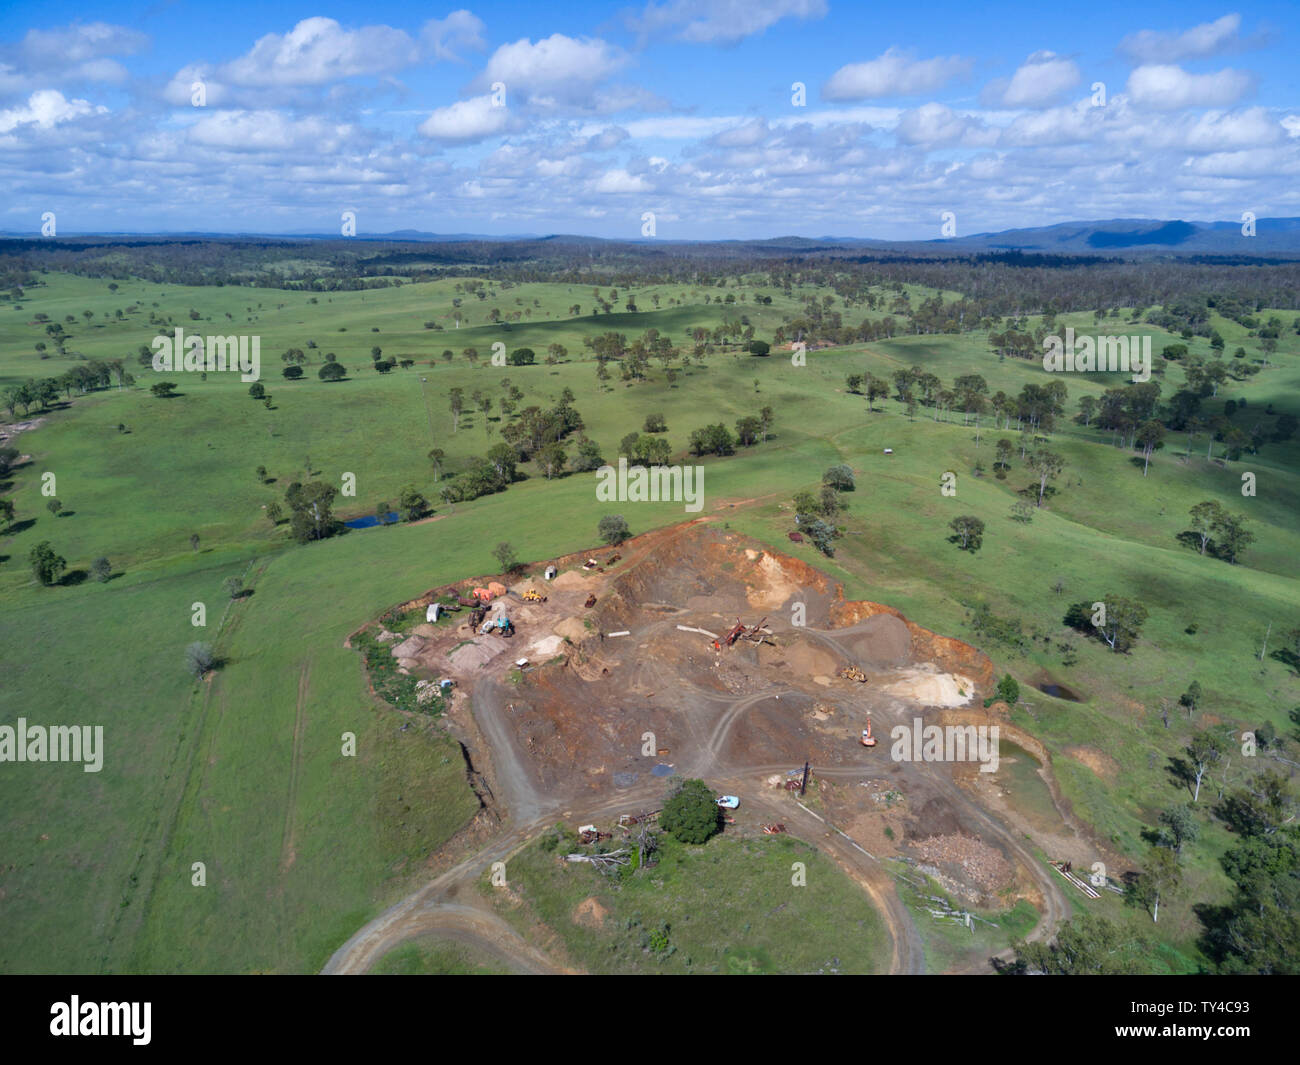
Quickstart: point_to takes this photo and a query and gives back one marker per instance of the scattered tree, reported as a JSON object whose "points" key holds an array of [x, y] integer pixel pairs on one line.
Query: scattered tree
{"points": [[46, 564], [968, 531], [691, 812], [505, 556], [613, 529], [840, 478], [199, 659]]}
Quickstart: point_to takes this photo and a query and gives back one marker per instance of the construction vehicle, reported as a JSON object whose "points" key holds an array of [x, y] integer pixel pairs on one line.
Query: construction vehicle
{"points": [[501, 625], [741, 631], [853, 673], [591, 834], [534, 596], [732, 635], [591, 601], [867, 739]]}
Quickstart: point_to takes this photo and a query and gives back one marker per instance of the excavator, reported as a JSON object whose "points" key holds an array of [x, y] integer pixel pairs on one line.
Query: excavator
{"points": [[741, 631], [867, 739]]}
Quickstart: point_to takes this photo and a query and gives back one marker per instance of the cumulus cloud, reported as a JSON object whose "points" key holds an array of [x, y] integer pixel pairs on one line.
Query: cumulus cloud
{"points": [[1040, 81], [1208, 39], [261, 131], [895, 73], [755, 131], [935, 124], [80, 52], [79, 43], [608, 138], [619, 182], [445, 38], [466, 121], [1169, 88], [719, 21], [319, 50], [45, 109], [319, 55], [556, 66]]}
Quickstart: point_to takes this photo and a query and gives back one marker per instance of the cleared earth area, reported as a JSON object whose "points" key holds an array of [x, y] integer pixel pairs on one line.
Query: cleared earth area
{"points": [[623, 677]]}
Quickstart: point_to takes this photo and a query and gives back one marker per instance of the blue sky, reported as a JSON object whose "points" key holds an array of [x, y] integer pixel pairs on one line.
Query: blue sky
{"points": [[680, 108]]}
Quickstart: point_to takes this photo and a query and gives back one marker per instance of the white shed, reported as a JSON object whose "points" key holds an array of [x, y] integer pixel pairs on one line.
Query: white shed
{"points": [[551, 571], [435, 609]]}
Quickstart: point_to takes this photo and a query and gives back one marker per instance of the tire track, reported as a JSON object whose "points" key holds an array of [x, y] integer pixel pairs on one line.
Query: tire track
{"points": [[287, 854]]}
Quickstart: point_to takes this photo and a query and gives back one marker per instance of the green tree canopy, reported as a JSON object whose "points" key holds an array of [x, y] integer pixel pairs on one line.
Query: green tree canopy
{"points": [[691, 812]]}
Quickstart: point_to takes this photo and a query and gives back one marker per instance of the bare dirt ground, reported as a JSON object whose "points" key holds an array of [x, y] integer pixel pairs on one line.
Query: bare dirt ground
{"points": [[564, 736]]}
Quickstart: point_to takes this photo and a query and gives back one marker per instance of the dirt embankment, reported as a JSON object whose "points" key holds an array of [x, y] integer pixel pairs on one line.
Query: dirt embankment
{"points": [[950, 654]]}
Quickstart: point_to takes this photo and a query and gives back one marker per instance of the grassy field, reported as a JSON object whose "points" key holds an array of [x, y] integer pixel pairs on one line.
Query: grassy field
{"points": [[432, 956], [727, 907], [244, 773]]}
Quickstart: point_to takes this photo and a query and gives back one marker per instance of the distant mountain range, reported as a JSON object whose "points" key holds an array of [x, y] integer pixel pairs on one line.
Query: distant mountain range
{"points": [[1121, 235], [1114, 236], [1118, 237]]}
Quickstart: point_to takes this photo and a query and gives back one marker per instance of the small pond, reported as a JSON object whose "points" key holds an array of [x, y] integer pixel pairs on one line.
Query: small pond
{"points": [[370, 521]]}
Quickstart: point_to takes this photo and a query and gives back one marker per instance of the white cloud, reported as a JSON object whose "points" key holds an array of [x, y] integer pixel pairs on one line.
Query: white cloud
{"points": [[1207, 39], [1170, 88], [466, 120], [678, 127], [1071, 124], [46, 108], [719, 21], [606, 139], [1246, 164], [556, 65], [81, 52], [620, 181], [1040, 81], [79, 43], [894, 73], [932, 124], [460, 29], [270, 131], [318, 50], [755, 131]]}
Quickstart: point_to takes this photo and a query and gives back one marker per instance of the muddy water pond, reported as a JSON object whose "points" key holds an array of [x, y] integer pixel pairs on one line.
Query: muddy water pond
{"points": [[1018, 776], [1057, 691]]}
